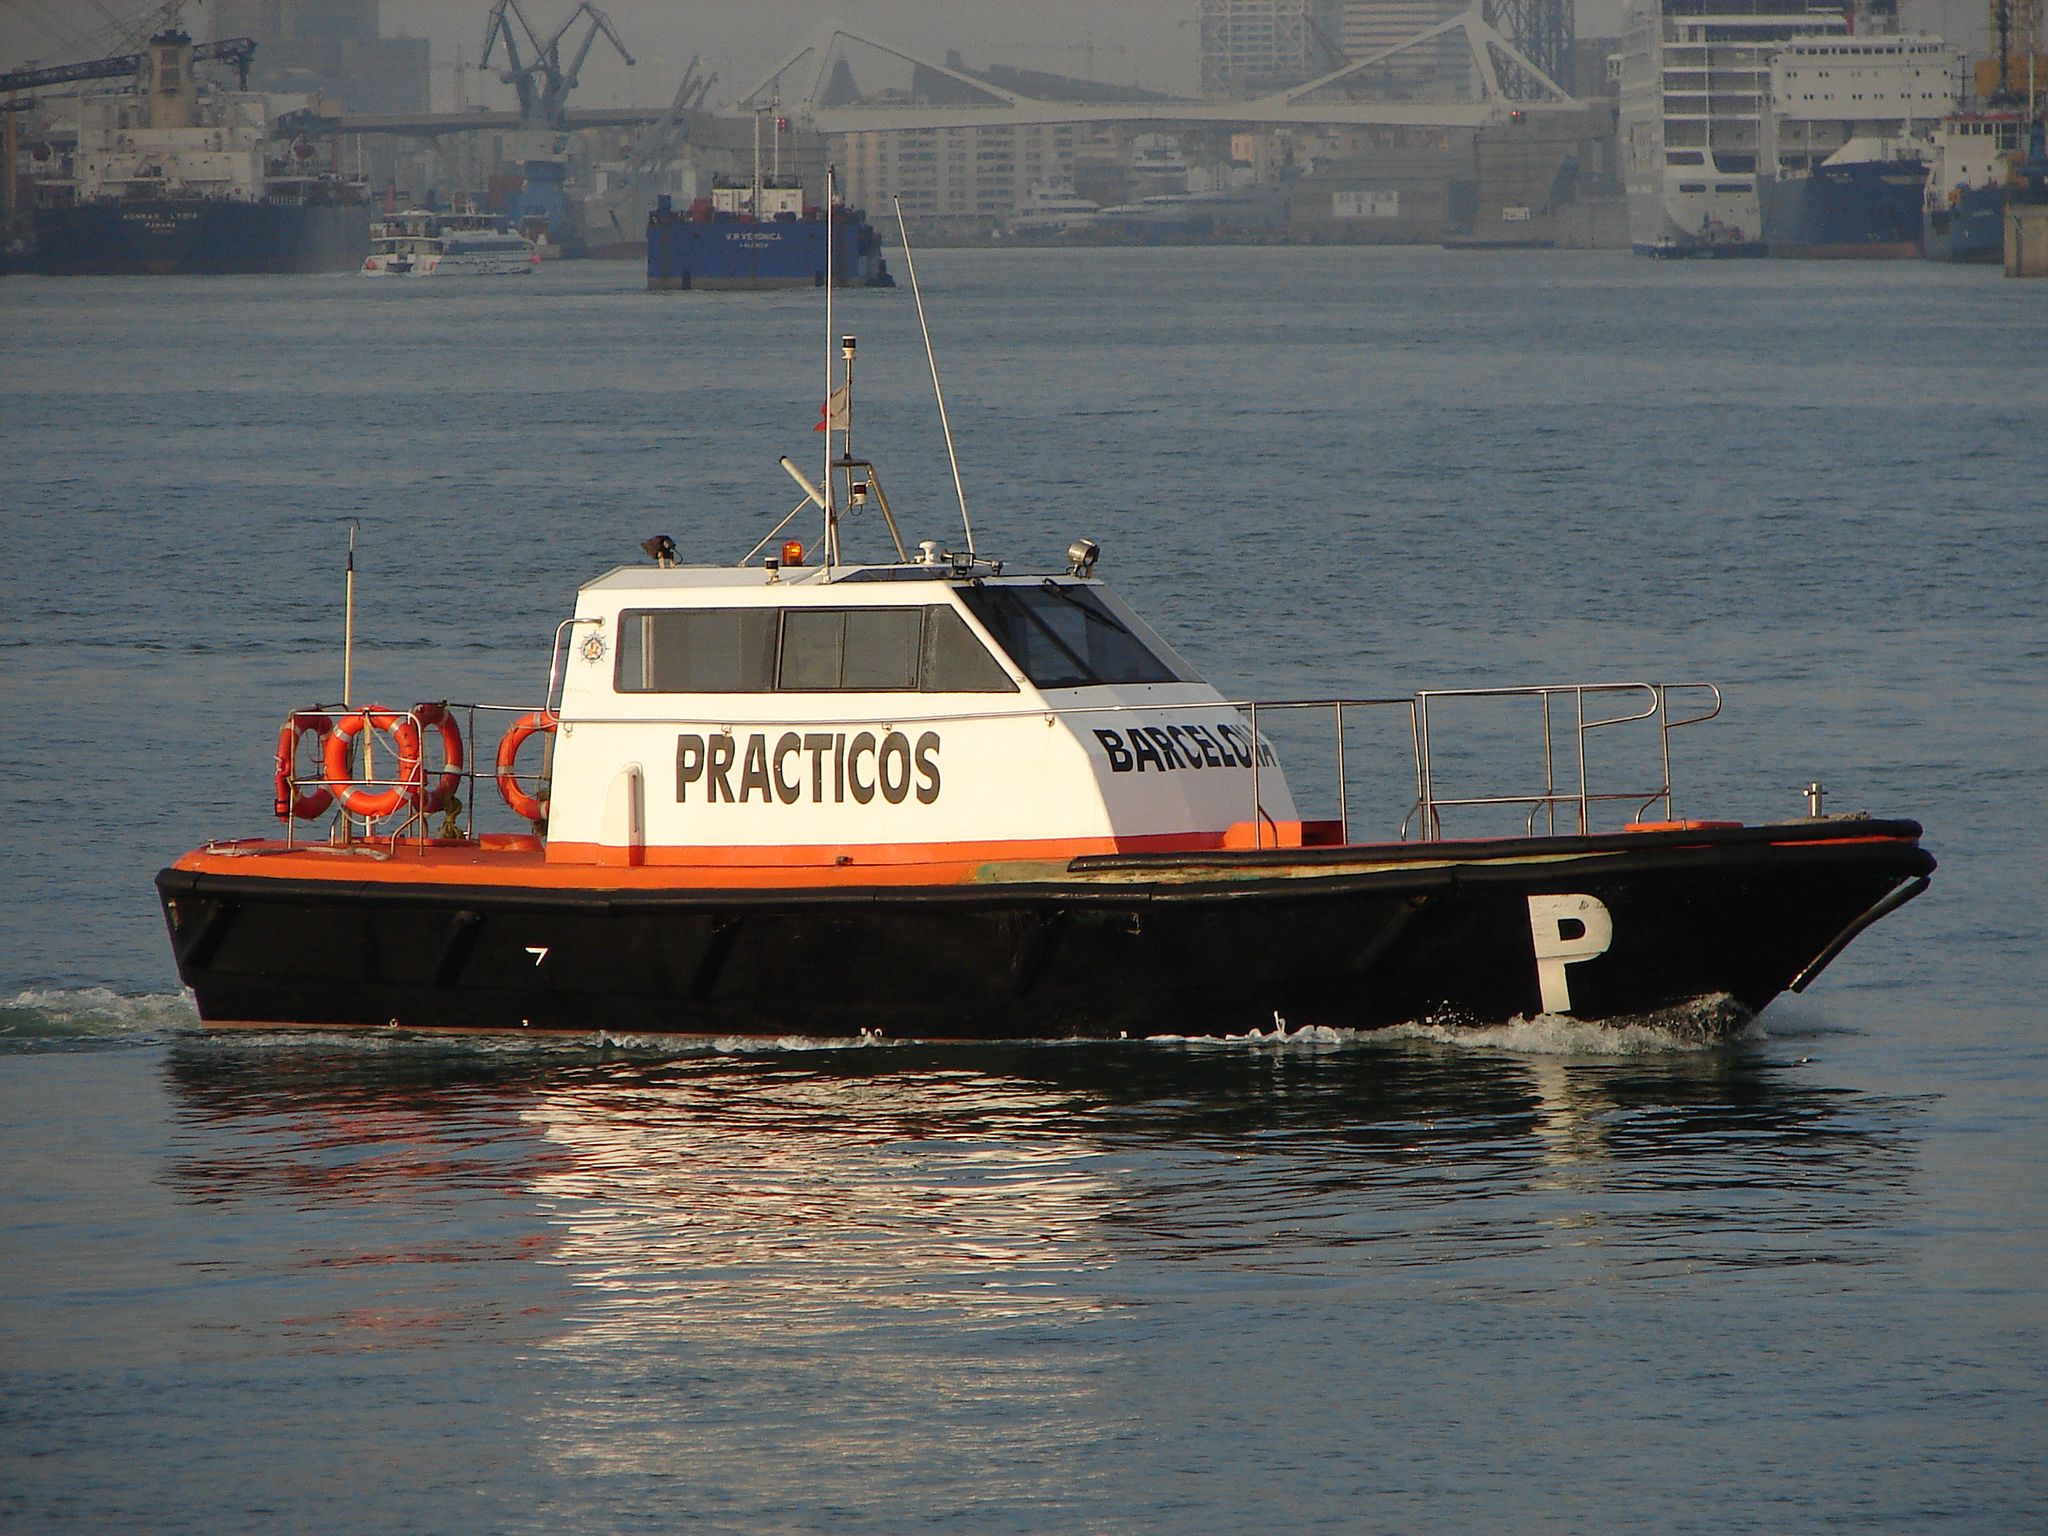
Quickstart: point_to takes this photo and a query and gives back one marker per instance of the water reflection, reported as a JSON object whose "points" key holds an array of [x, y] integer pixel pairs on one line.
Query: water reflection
{"points": [[996, 1182], [914, 1258]]}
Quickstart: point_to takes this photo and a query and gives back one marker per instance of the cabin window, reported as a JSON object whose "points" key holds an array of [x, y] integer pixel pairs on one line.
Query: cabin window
{"points": [[804, 650], [697, 650], [1065, 636], [954, 661], [859, 650]]}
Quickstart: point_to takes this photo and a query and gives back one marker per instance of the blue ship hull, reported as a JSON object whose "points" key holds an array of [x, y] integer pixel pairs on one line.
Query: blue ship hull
{"points": [[161, 236], [686, 250], [1970, 229], [1868, 211]]}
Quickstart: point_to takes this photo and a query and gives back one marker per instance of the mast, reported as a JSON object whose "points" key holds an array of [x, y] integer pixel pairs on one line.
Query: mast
{"points": [[831, 522]]}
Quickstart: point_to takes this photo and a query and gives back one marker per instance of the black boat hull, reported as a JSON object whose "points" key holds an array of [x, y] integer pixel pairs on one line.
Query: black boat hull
{"points": [[1138, 945], [195, 236]]}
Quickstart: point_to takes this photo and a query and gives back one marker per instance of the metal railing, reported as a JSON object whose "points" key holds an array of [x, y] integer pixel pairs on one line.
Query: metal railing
{"points": [[1579, 796], [412, 820], [1561, 711]]}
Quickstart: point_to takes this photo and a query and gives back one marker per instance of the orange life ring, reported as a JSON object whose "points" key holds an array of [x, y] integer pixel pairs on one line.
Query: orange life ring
{"points": [[533, 807], [313, 803], [440, 717], [358, 799]]}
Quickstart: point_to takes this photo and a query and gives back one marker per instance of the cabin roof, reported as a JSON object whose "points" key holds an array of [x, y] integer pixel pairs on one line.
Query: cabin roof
{"points": [[900, 583]]}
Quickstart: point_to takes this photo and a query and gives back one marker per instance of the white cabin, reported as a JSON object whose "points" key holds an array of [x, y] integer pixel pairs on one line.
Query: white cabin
{"points": [[899, 714]]}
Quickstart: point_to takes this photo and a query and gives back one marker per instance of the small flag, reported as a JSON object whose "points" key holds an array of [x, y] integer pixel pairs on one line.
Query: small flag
{"points": [[833, 417]]}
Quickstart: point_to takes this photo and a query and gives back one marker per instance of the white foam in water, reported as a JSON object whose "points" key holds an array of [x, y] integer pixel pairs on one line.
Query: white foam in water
{"points": [[93, 1012], [1699, 1025], [1702, 1024]]}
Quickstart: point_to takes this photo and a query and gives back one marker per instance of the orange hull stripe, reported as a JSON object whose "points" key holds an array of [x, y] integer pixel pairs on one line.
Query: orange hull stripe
{"points": [[587, 866]]}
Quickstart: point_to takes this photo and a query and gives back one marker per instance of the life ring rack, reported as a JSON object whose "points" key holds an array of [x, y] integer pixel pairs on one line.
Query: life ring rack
{"points": [[404, 788], [439, 717], [291, 801], [531, 807], [307, 797]]}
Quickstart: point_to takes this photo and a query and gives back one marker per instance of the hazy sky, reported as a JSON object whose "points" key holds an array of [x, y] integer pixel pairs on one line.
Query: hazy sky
{"points": [[1151, 42]]}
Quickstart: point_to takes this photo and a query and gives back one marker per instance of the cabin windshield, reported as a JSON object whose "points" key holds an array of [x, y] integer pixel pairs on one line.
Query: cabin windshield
{"points": [[1064, 636]]}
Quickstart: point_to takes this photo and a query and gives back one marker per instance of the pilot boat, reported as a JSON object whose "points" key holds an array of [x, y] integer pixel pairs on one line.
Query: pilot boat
{"points": [[933, 795]]}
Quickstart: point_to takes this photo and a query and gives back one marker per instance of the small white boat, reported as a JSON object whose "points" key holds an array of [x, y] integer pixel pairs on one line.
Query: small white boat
{"points": [[1053, 211], [426, 242]]}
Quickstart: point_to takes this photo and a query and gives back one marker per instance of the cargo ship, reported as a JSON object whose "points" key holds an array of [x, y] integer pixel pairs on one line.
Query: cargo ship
{"points": [[1861, 203], [760, 234], [932, 794], [173, 177], [1848, 138]]}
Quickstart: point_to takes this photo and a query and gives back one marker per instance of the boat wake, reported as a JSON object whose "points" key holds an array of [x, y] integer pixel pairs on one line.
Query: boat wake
{"points": [[93, 1013], [1702, 1024], [102, 1014]]}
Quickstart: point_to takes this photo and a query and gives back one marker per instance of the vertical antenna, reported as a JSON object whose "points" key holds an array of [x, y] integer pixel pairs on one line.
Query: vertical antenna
{"points": [[931, 357], [348, 622], [831, 234]]}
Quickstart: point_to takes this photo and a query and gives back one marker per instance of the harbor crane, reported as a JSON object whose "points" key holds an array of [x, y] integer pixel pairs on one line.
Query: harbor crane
{"points": [[237, 51], [657, 145], [541, 79]]}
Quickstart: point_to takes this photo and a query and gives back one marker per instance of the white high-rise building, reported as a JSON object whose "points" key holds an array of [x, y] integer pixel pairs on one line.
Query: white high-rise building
{"points": [[1372, 26], [1250, 47]]}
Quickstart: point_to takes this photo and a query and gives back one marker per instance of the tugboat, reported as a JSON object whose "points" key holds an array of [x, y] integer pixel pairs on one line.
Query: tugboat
{"points": [[932, 795]]}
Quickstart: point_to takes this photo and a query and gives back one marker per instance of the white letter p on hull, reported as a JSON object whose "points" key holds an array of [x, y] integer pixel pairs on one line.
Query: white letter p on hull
{"points": [[1567, 929]]}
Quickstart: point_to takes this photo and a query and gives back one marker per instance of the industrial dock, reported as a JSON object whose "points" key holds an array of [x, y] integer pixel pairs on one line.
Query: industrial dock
{"points": [[1488, 125]]}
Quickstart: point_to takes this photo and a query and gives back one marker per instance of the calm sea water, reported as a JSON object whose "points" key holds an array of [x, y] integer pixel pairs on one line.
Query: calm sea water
{"points": [[1537, 1278]]}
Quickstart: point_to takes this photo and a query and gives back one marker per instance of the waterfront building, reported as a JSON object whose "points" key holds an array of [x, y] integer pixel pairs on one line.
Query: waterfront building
{"points": [[967, 175]]}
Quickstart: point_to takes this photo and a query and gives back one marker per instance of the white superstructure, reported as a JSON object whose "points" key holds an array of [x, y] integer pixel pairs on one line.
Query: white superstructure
{"points": [[772, 713], [424, 242], [170, 136], [1829, 91], [1158, 157], [1695, 94], [1974, 150]]}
